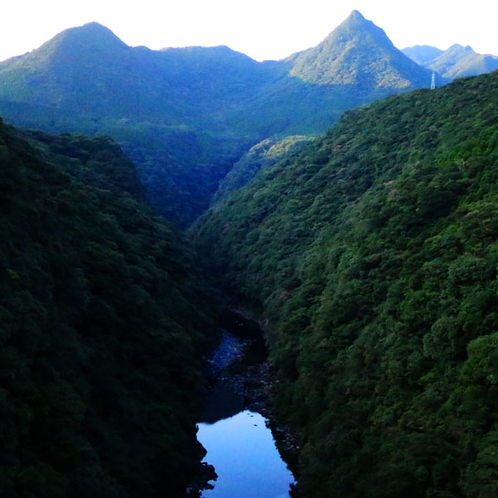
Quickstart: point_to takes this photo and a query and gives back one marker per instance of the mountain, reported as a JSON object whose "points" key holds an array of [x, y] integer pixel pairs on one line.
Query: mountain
{"points": [[422, 54], [456, 62], [185, 116], [102, 323], [371, 254], [358, 53], [162, 106], [459, 62], [89, 70]]}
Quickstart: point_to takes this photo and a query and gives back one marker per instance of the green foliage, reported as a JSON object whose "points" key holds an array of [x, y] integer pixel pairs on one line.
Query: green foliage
{"points": [[373, 253], [101, 320], [456, 62], [262, 155], [359, 54], [185, 116]]}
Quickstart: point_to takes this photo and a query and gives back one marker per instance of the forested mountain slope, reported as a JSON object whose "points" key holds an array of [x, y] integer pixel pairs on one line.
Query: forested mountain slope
{"points": [[101, 327], [373, 255], [456, 62], [186, 115], [358, 53]]}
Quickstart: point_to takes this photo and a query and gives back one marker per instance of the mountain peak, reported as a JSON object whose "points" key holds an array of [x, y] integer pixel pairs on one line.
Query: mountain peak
{"points": [[357, 52], [355, 24], [89, 27], [358, 21], [90, 38], [356, 15], [460, 48], [461, 61]]}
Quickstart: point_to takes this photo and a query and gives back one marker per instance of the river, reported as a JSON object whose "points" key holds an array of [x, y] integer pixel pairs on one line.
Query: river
{"points": [[243, 452], [238, 440]]}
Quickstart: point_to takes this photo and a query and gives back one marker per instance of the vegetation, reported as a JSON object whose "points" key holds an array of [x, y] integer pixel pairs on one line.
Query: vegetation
{"points": [[358, 53], [262, 155], [102, 314], [456, 62], [373, 255], [371, 252], [185, 116]]}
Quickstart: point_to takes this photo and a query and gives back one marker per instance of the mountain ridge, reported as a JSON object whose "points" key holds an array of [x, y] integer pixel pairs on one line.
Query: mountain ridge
{"points": [[422, 54], [186, 115], [455, 62]]}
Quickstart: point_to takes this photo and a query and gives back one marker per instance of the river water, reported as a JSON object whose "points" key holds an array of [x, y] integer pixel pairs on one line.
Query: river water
{"points": [[245, 457], [239, 443]]}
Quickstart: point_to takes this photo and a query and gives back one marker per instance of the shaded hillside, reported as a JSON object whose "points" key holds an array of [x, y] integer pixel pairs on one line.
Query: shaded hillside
{"points": [[261, 156], [372, 253], [101, 327], [185, 116], [162, 106], [91, 71]]}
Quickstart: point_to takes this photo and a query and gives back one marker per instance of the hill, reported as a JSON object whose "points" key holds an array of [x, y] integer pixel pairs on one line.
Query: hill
{"points": [[359, 53], [101, 313], [162, 106], [456, 62], [261, 156], [371, 255], [185, 116]]}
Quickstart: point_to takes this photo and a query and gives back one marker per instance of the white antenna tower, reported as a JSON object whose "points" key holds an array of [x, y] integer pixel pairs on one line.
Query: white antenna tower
{"points": [[433, 82]]}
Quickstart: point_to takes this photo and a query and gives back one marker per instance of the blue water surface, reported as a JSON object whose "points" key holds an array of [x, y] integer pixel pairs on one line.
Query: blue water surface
{"points": [[245, 457]]}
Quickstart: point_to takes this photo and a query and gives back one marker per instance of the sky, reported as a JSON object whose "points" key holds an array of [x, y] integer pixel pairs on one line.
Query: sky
{"points": [[261, 29]]}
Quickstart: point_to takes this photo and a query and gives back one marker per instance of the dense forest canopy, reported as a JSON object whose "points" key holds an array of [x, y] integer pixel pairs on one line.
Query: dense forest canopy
{"points": [[370, 252], [373, 255], [102, 323], [185, 116]]}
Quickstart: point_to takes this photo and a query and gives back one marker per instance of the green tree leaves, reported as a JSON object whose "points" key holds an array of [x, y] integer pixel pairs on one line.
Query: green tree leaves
{"points": [[373, 253], [102, 314]]}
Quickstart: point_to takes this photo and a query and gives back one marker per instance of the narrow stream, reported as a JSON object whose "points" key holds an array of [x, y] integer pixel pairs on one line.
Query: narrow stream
{"points": [[238, 440]]}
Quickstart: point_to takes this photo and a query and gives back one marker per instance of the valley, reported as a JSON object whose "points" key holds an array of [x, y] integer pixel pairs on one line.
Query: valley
{"points": [[184, 116], [347, 210]]}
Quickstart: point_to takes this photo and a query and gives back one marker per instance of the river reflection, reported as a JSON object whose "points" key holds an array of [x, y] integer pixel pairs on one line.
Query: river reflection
{"points": [[245, 457]]}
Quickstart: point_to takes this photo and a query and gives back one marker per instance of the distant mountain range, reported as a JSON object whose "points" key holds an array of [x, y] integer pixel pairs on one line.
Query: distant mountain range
{"points": [[185, 116], [456, 62]]}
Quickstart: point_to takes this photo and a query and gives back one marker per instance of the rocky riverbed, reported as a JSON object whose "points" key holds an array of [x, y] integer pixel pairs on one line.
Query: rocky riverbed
{"points": [[229, 351], [240, 376], [241, 363], [257, 387]]}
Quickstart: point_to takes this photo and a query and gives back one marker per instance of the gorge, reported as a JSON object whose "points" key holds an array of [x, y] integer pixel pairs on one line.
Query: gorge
{"points": [[346, 208], [234, 428]]}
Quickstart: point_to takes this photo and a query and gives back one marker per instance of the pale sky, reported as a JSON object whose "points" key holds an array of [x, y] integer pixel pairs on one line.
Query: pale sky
{"points": [[262, 29]]}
